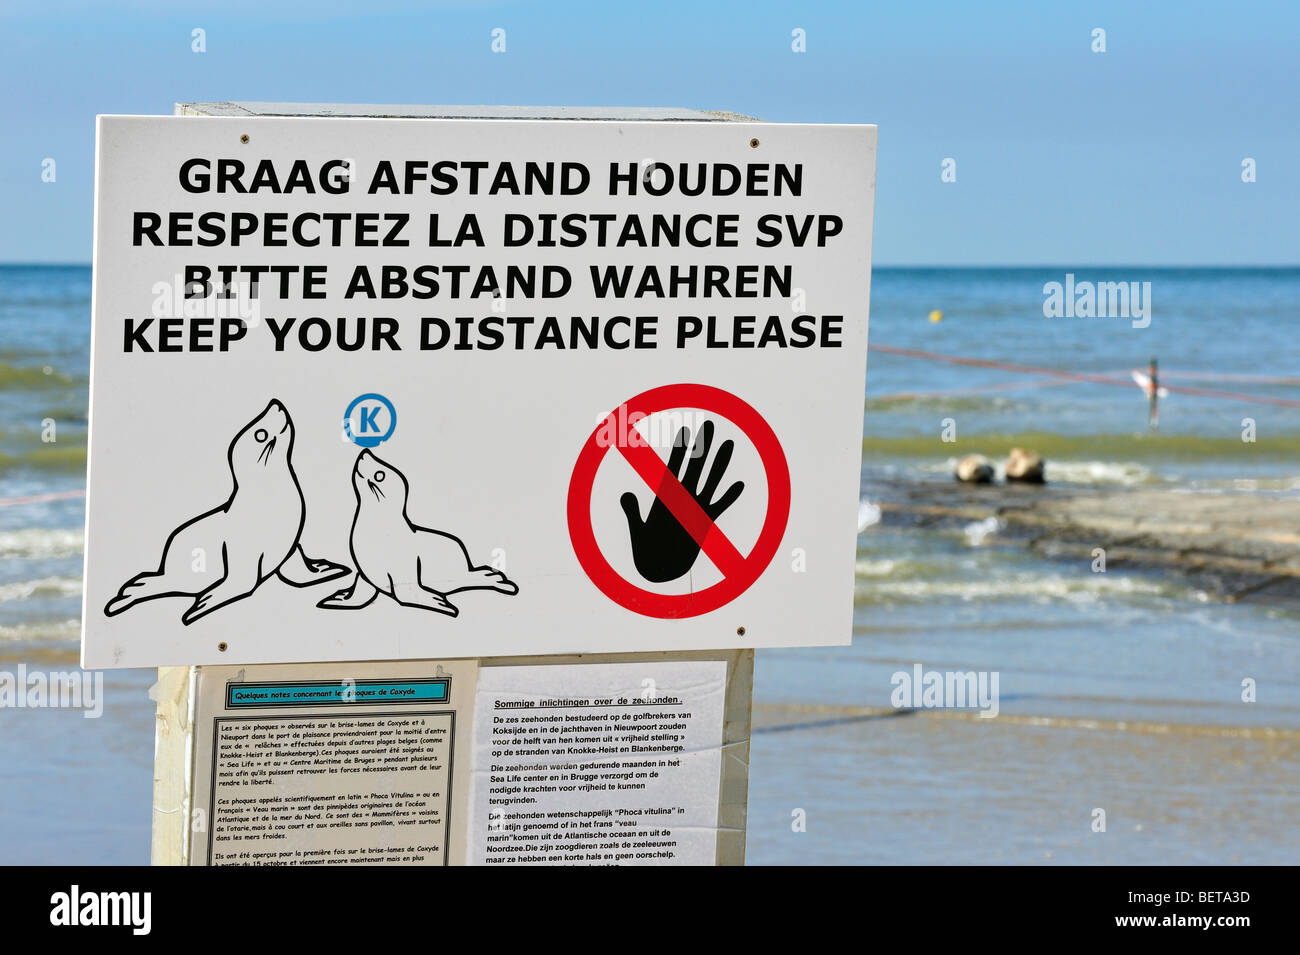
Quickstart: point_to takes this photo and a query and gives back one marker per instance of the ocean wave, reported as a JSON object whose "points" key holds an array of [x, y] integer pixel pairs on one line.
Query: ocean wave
{"points": [[44, 587], [46, 631], [889, 587], [1127, 473], [977, 532], [868, 515], [875, 568], [1140, 446], [896, 567], [1253, 485], [41, 542]]}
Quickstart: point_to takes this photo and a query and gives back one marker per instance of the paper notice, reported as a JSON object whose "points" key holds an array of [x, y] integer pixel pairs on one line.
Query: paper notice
{"points": [[336, 764], [597, 764]]}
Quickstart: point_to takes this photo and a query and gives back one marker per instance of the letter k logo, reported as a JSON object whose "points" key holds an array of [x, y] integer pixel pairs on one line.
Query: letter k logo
{"points": [[368, 422]]}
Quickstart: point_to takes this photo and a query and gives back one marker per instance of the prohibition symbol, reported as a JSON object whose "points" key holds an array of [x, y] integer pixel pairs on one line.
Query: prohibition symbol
{"points": [[617, 432]]}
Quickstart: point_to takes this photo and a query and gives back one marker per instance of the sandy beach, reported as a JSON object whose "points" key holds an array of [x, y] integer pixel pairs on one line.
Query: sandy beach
{"points": [[936, 788]]}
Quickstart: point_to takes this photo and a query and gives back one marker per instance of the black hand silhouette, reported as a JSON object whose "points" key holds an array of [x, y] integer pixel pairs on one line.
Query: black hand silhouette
{"points": [[661, 548]]}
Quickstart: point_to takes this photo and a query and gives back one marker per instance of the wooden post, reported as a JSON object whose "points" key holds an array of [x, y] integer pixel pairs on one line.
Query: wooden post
{"points": [[173, 770]]}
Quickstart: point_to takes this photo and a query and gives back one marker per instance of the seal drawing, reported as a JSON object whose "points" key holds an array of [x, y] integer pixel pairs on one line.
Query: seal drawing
{"points": [[224, 554], [416, 566]]}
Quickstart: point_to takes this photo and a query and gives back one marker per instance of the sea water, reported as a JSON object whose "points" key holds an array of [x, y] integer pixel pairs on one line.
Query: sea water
{"points": [[1118, 691]]}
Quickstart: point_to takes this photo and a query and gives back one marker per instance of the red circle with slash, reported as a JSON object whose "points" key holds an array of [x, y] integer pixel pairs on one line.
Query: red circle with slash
{"points": [[739, 571]]}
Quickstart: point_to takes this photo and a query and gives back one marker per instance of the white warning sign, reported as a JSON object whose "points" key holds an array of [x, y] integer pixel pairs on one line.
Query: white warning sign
{"points": [[412, 388]]}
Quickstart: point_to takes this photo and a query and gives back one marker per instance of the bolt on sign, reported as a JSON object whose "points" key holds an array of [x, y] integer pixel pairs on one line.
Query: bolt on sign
{"points": [[371, 388]]}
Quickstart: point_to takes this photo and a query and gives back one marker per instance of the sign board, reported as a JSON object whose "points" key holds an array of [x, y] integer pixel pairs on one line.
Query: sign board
{"points": [[438, 388], [618, 760]]}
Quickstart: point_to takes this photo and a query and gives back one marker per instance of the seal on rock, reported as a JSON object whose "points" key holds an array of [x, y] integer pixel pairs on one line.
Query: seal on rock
{"points": [[416, 566], [974, 469], [224, 554], [1025, 467]]}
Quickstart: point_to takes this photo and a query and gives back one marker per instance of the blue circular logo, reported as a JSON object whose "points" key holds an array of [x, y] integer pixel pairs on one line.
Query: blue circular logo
{"points": [[368, 433]]}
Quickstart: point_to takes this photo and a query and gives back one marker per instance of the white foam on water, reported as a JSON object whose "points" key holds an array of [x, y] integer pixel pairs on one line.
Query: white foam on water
{"points": [[54, 631], [41, 542], [1125, 473], [1257, 485], [980, 531], [875, 568], [1077, 588], [868, 514], [45, 587]]}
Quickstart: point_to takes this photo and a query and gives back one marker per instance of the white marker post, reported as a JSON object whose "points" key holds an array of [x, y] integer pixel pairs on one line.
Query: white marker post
{"points": [[550, 415]]}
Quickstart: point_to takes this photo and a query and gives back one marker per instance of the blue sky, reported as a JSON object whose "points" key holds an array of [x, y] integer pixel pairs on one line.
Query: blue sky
{"points": [[1064, 156]]}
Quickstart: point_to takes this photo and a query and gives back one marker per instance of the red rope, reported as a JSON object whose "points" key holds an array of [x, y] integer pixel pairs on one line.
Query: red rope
{"points": [[1078, 376], [41, 498]]}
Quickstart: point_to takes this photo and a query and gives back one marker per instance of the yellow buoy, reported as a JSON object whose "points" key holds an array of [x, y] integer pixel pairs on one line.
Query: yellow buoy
{"points": [[936, 316]]}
